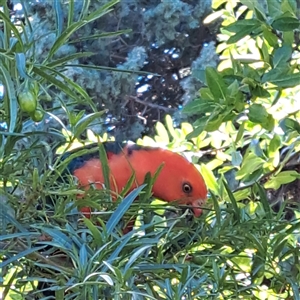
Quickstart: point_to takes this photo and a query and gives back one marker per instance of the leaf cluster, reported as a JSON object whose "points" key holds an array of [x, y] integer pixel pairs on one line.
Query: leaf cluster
{"points": [[247, 138]]}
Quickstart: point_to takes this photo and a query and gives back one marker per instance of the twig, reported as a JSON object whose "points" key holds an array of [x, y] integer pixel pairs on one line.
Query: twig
{"points": [[160, 107], [53, 261]]}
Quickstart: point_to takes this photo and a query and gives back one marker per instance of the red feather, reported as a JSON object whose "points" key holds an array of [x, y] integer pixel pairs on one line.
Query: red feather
{"points": [[178, 180]]}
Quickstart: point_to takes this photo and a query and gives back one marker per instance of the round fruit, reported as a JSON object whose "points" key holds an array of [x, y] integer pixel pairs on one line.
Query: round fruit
{"points": [[37, 116], [27, 101]]}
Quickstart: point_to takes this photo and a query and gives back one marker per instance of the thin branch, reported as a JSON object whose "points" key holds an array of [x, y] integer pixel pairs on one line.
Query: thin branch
{"points": [[56, 262], [160, 107]]}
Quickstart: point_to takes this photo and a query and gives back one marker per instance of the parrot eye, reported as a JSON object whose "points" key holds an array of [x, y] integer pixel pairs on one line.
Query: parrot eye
{"points": [[187, 188]]}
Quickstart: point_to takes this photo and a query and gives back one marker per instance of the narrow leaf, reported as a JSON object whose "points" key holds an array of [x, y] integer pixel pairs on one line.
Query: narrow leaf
{"points": [[104, 165], [135, 256], [65, 35], [215, 83], [70, 13], [264, 201], [21, 64], [61, 61], [121, 209], [101, 36], [233, 202], [20, 255], [83, 124], [11, 26], [11, 99], [59, 16]]}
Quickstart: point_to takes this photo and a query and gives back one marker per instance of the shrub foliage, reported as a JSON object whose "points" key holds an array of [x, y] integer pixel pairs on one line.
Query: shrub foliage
{"points": [[244, 139]]}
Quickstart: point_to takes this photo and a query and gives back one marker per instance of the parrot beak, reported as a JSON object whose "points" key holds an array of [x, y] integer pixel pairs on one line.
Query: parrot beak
{"points": [[197, 212], [197, 207]]}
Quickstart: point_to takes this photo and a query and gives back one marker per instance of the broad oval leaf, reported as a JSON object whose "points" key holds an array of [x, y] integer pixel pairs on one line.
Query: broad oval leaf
{"points": [[283, 177], [286, 24]]}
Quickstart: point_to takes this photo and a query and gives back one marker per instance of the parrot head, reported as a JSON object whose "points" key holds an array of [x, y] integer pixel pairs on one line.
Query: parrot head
{"points": [[178, 181]]}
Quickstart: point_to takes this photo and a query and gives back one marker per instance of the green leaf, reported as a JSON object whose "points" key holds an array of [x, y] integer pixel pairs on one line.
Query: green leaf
{"points": [[270, 37], [217, 3], [260, 14], [198, 106], [259, 92], [237, 158], [257, 113], [206, 95], [162, 133], [241, 25], [258, 244], [274, 8], [61, 61], [214, 122], [101, 36], [85, 122], [240, 132], [21, 64], [12, 27], [215, 83], [7, 216], [64, 37], [295, 287], [70, 13], [84, 9], [233, 202], [288, 38], [121, 209], [76, 87], [94, 231], [20, 255], [275, 74], [64, 87], [104, 165], [149, 181], [282, 55], [59, 16], [264, 201], [210, 179], [274, 145], [11, 99], [290, 80], [137, 253], [251, 163], [18, 235], [290, 6], [283, 177], [102, 68], [233, 89], [286, 23], [258, 266], [242, 33], [196, 132], [186, 128], [170, 127], [216, 209], [269, 123], [58, 237], [281, 243], [289, 124], [83, 255], [128, 185]]}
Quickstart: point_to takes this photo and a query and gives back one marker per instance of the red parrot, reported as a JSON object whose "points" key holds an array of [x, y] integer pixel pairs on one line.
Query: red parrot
{"points": [[178, 181]]}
